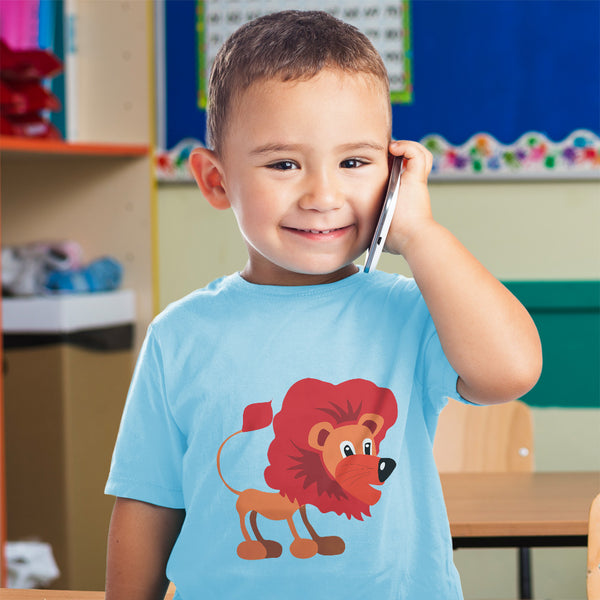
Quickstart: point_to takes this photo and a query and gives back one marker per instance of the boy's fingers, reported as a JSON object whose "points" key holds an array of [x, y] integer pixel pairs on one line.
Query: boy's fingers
{"points": [[418, 159]]}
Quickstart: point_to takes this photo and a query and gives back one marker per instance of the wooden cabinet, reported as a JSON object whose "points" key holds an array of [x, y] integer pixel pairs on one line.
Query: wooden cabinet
{"points": [[98, 195], [97, 190]]}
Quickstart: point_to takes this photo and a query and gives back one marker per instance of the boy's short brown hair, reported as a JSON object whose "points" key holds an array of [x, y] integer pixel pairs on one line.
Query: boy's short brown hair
{"points": [[288, 45]]}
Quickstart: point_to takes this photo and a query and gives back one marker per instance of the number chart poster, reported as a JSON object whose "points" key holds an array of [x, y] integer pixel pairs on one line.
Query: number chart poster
{"points": [[385, 23], [494, 88]]}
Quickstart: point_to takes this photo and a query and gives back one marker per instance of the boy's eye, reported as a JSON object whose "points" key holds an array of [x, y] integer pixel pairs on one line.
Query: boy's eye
{"points": [[283, 165], [352, 163]]}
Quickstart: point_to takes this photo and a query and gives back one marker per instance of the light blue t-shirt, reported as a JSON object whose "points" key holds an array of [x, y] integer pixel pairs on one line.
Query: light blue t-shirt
{"points": [[335, 497]]}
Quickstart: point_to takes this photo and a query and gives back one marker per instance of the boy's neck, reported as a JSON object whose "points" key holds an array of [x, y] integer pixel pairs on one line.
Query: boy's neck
{"points": [[290, 278]]}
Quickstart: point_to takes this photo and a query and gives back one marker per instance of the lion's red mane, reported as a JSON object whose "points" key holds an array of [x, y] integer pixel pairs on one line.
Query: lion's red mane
{"points": [[295, 468]]}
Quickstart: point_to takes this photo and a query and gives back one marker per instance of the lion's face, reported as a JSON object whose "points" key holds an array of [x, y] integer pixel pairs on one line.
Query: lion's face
{"points": [[350, 455], [326, 443]]}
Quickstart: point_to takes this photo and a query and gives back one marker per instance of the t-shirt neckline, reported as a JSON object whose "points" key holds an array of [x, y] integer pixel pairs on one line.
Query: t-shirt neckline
{"points": [[237, 281]]}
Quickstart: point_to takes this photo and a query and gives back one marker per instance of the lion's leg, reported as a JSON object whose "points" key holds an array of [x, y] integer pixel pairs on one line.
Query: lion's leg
{"points": [[272, 547], [329, 545], [249, 549], [301, 547]]}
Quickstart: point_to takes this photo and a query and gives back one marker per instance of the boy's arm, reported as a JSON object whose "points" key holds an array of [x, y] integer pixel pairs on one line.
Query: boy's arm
{"points": [[140, 540], [487, 335]]}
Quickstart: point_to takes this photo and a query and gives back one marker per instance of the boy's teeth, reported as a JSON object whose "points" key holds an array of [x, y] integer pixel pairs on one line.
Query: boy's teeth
{"points": [[317, 231]]}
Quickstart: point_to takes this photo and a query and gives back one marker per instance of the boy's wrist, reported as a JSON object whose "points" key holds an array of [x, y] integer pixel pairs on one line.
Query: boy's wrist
{"points": [[421, 237], [408, 240]]}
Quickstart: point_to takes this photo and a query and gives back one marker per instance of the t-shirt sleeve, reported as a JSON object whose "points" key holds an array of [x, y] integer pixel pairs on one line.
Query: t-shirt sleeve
{"points": [[148, 455], [435, 373]]}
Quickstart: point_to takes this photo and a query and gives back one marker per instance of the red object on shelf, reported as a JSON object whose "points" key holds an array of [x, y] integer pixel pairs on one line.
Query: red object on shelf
{"points": [[31, 125], [28, 64], [10, 99], [22, 97]]}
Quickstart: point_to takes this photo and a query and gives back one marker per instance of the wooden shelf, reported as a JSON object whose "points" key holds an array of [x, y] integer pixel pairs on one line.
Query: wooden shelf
{"points": [[98, 191], [26, 146]]}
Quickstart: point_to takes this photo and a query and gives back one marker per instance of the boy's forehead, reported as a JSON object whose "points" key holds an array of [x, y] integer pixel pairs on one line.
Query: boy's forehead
{"points": [[266, 85], [263, 90]]}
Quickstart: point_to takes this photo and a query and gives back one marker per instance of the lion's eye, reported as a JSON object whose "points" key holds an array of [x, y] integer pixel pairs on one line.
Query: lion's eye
{"points": [[347, 449], [367, 446]]}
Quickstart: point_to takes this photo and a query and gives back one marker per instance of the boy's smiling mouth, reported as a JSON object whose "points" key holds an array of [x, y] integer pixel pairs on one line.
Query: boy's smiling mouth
{"points": [[332, 230], [322, 235]]}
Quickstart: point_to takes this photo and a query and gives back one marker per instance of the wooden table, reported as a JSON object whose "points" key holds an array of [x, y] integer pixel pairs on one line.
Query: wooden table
{"points": [[519, 509], [6, 594], [486, 510]]}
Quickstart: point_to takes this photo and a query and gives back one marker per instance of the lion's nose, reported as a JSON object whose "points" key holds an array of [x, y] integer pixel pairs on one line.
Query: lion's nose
{"points": [[386, 466]]}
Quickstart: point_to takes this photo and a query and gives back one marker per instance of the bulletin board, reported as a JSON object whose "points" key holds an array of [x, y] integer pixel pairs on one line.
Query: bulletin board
{"points": [[386, 23], [494, 88]]}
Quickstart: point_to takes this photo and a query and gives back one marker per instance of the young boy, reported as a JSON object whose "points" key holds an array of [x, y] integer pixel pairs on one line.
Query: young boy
{"points": [[338, 495]]}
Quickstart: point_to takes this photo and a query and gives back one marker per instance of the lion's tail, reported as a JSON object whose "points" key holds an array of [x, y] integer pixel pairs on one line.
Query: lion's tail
{"points": [[219, 463], [256, 416]]}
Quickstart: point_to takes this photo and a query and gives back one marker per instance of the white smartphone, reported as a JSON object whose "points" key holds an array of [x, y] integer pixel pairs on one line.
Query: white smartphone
{"points": [[385, 218]]}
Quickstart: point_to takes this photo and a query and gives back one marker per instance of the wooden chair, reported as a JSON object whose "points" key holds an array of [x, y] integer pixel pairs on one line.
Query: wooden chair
{"points": [[486, 439], [593, 557]]}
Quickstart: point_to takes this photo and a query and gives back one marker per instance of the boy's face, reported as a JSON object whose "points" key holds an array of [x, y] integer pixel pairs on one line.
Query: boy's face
{"points": [[304, 167]]}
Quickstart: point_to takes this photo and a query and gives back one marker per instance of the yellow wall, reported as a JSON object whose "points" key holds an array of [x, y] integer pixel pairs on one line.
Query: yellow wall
{"points": [[518, 230]]}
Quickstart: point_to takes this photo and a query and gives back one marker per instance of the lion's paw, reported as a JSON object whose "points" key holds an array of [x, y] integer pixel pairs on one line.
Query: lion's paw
{"points": [[302, 548], [255, 550], [251, 550], [273, 548], [331, 545]]}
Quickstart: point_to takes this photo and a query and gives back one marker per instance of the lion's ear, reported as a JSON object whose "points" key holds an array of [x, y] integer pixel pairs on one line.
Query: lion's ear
{"points": [[372, 422], [318, 434]]}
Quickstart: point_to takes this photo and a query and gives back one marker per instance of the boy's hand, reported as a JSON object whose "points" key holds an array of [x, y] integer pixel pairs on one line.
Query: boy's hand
{"points": [[413, 209], [486, 334]]}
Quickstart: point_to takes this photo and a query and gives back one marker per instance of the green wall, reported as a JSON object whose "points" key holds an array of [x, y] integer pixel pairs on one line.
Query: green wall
{"points": [[567, 315]]}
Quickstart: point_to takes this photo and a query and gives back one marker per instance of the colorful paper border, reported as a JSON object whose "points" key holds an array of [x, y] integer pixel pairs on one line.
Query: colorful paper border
{"points": [[482, 157], [533, 155]]}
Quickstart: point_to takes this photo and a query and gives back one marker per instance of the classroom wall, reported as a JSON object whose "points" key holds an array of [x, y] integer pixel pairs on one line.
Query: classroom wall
{"points": [[520, 231]]}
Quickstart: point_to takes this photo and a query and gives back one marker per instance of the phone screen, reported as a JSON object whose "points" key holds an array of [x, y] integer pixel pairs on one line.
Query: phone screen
{"points": [[387, 213]]}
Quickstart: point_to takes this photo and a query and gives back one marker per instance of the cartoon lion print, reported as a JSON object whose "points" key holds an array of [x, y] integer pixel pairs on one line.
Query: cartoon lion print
{"points": [[324, 453]]}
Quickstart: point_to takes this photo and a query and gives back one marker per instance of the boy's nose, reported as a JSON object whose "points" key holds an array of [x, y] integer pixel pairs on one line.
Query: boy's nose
{"points": [[321, 193]]}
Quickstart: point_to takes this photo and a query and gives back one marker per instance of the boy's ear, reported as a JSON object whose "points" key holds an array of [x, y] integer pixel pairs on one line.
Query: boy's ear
{"points": [[206, 168]]}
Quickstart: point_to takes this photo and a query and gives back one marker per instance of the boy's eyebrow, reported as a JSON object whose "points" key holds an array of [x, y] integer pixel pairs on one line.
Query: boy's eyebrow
{"points": [[361, 146], [267, 148], [351, 146]]}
